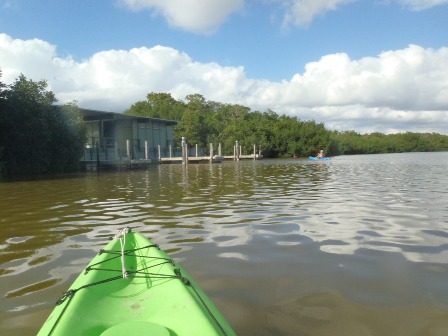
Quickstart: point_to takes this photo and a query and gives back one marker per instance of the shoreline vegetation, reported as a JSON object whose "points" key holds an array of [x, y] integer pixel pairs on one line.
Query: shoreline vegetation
{"points": [[38, 137], [203, 122]]}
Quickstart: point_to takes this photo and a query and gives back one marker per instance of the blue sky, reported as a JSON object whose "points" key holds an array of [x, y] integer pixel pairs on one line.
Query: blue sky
{"points": [[378, 65]]}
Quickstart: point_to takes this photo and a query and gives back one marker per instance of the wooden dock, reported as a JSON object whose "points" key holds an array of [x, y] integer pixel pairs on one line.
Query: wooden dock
{"points": [[244, 157], [207, 159], [185, 158], [99, 160], [191, 159]]}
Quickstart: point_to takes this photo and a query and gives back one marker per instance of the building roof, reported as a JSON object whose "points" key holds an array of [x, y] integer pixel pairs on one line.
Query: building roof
{"points": [[89, 115]]}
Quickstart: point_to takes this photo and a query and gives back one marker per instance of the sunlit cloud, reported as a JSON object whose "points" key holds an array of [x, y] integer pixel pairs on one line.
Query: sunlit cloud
{"points": [[198, 16], [404, 89], [206, 16]]}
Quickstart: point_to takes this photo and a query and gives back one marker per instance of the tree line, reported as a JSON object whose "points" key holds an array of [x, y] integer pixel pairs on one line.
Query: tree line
{"points": [[203, 122], [37, 137]]}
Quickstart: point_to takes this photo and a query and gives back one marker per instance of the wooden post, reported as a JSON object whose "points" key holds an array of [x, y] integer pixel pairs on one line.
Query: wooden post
{"points": [[219, 149], [211, 152], [184, 151], [146, 150], [159, 149], [197, 154], [128, 150], [97, 146], [171, 151], [237, 150]]}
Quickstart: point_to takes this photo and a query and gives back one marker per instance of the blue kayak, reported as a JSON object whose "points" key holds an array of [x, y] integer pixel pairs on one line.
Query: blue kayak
{"points": [[319, 159]]}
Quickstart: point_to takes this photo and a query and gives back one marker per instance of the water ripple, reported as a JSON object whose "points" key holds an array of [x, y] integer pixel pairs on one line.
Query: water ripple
{"points": [[347, 223]]}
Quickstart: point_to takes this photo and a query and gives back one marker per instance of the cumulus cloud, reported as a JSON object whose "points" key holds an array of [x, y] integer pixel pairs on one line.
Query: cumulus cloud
{"points": [[199, 16], [398, 90], [206, 16], [401, 89]]}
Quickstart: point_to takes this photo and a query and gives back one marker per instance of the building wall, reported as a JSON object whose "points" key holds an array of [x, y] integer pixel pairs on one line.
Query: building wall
{"points": [[155, 133], [93, 133], [107, 138]]}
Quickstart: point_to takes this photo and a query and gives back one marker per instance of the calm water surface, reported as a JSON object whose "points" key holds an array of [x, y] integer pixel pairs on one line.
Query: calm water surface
{"points": [[353, 246]]}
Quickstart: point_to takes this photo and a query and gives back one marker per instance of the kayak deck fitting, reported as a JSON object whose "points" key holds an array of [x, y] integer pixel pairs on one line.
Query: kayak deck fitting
{"points": [[133, 288]]}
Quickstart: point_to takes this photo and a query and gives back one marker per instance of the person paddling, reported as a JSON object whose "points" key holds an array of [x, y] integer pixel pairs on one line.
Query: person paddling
{"points": [[321, 154]]}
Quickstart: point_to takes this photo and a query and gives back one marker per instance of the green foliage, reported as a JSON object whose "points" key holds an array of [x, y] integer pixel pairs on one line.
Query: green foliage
{"points": [[295, 138], [158, 105], [68, 137], [35, 136], [353, 143], [2, 128], [202, 122], [38, 137], [192, 124]]}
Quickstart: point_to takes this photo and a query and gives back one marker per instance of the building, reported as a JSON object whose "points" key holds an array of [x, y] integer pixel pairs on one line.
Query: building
{"points": [[114, 137]]}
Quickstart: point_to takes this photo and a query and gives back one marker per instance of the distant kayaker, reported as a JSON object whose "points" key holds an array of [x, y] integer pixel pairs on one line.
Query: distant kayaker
{"points": [[321, 154]]}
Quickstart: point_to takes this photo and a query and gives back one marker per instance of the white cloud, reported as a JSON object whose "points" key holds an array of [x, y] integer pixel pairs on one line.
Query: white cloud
{"points": [[402, 89], [411, 78], [422, 4], [303, 12], [199, 16], [28, 57], [206, 16], [397, 90]]}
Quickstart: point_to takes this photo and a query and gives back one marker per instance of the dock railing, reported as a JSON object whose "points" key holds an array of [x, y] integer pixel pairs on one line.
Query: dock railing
{"points": [[196, 154], [108, 152]]}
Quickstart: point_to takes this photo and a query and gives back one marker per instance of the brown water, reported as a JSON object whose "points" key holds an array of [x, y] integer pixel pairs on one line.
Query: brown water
{"points": [[354, 246]]}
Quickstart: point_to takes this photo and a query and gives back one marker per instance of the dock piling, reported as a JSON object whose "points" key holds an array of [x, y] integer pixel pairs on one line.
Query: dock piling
{"points": [[184, 151], [146, 150]]}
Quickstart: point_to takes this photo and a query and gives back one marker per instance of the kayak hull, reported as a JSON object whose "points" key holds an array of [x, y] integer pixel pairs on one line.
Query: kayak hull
{"points": [[151, 293], [313, 158]]}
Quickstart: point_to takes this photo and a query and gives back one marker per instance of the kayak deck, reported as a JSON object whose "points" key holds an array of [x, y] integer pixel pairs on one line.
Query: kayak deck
{"points": [[132, 285], [314, 158]]}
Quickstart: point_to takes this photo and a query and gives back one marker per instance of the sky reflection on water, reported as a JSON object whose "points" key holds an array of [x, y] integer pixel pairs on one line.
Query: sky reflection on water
{"points": [[283, 246]]}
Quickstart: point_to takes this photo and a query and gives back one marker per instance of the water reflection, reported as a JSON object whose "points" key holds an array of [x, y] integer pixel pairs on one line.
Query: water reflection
{"points": [[396, 202], [282, 246]]}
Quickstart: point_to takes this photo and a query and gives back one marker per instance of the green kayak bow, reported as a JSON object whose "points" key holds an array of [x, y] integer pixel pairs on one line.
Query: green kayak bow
{"points": [[133, 288]]}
